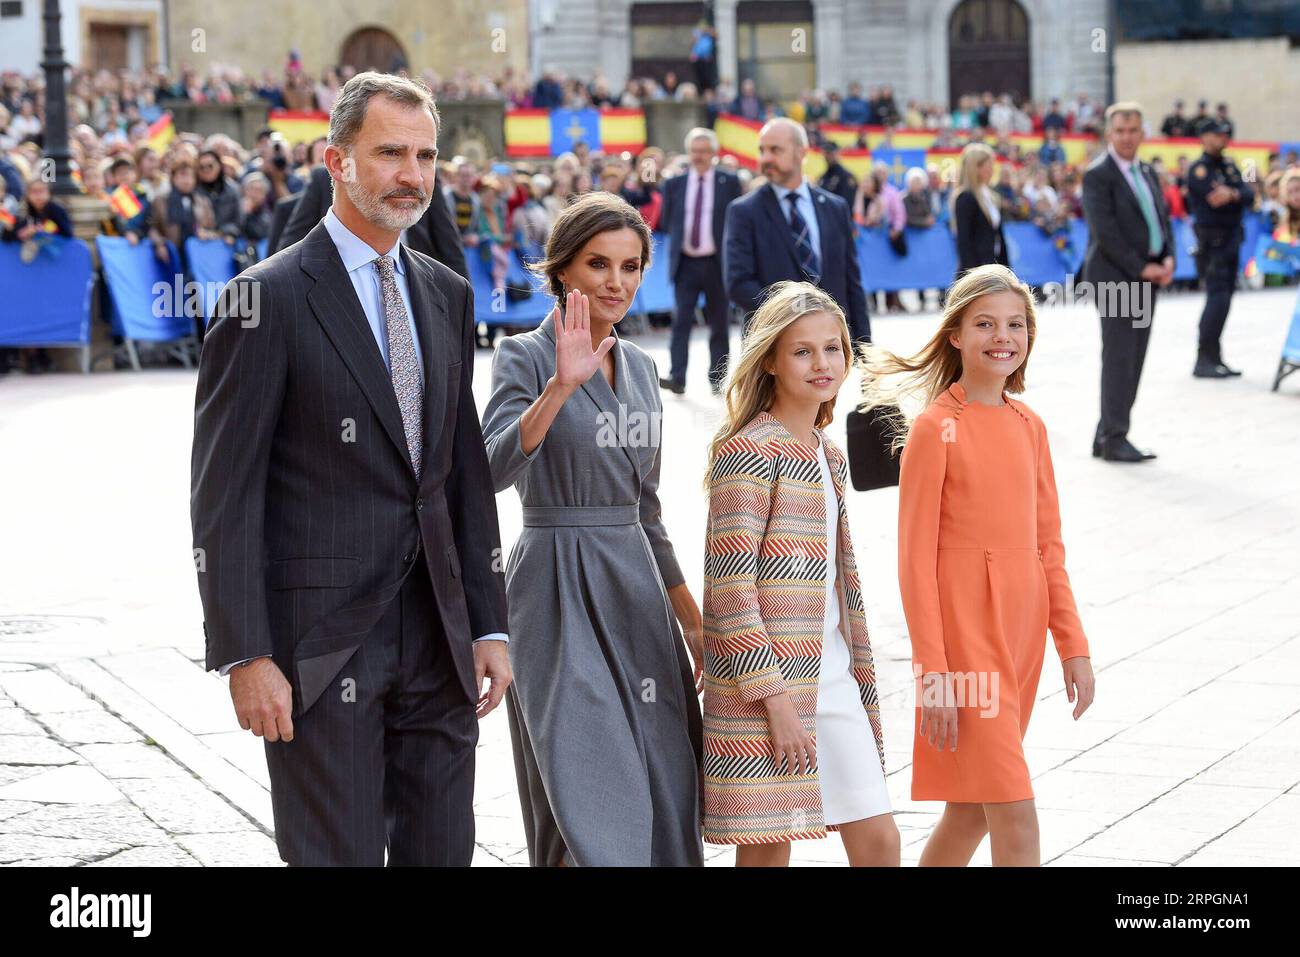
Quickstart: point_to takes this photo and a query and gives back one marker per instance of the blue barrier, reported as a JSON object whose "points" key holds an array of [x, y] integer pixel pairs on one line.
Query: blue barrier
{"points": [[931, 259], [1290, 361], [1033, 255], [46, 301], [1184, 250], [497, 309], [655, 294], [147, 302], [1252, 227], [930, 263], [211, 264]]}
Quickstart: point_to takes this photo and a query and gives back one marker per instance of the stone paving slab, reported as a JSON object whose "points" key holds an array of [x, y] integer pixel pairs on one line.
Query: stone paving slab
{"points": [[1186, 571]]}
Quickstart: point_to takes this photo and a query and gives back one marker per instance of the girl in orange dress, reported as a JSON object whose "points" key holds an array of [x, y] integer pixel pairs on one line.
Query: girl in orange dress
{"points": [[981, 568]]}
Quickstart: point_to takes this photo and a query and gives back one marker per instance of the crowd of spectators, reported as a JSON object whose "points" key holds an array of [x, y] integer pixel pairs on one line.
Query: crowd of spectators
{"points": [[214, 187]]}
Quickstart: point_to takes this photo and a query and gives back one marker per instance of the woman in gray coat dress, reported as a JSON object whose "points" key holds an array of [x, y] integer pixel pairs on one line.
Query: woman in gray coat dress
{"points": [[603, 711]]}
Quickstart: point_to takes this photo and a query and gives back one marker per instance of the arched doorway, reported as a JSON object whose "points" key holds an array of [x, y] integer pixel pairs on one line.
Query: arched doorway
{"points": [[372, 48], [988, 49]]}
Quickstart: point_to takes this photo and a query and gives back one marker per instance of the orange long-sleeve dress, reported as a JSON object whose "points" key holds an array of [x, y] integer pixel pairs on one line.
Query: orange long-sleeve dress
{"points": [[981, 567]]}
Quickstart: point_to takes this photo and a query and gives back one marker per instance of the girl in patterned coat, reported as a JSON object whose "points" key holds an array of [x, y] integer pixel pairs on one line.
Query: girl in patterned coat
{"points": [[792, 739]]}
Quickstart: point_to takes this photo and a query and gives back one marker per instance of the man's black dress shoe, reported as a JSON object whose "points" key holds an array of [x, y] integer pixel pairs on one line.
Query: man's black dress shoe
{"points": [[1122, 450], [1209, 369], [673, 386]]}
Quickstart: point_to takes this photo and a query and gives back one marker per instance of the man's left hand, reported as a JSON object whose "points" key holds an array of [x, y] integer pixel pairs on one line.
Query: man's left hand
{"points": [[491, 661]]}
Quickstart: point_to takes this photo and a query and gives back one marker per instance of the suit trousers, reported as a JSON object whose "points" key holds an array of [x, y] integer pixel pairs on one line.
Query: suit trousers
{"points": [[1124, 337], [698, 274], [385, 757], [1217, 252]]}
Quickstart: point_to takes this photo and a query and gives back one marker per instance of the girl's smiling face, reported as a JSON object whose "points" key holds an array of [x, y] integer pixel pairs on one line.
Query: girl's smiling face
{"points": [[808, 361], [994, 335]]}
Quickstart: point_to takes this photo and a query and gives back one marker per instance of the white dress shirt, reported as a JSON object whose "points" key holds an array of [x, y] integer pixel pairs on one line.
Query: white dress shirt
{"points": [[358, 259]]}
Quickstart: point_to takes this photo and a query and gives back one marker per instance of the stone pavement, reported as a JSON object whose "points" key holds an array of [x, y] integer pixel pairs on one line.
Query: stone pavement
{"points": [[117, 748]]}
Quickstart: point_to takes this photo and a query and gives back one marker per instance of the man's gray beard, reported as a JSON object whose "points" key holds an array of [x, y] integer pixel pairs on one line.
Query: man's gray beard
{"points": [[374, 210]]}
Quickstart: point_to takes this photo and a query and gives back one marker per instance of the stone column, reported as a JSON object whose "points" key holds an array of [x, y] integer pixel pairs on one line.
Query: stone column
{"points": [[828, 43], [724, 19]]}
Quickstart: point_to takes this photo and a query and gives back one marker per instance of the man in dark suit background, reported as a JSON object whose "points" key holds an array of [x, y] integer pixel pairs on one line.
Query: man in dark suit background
{"points": [[345, 529], [694, 213], [280, 216], [1130, 253], [434, 234], [790, 229]]}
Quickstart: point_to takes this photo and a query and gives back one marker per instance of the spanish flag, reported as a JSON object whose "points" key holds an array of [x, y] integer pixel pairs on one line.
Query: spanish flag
{"points": [[1251, 157], [857, 162], [622, 131], [528, 133], [299, 126], [124, 202], [7, 219], [1075, 145], [161, 133], [738, 137]]}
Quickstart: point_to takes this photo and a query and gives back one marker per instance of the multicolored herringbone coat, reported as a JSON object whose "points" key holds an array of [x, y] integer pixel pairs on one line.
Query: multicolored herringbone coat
{"points": [[765, 574]]}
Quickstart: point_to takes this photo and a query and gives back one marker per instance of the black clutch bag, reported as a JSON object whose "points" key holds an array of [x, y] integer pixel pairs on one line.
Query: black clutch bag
{"points": [[871, 462]]}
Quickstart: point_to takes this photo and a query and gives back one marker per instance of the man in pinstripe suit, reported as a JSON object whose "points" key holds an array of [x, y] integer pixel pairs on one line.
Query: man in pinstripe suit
{"points": [[345, 529]]}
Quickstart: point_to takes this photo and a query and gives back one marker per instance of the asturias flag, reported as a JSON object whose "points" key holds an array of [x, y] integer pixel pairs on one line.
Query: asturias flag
{"points": [[552, 132], [898, 160]]}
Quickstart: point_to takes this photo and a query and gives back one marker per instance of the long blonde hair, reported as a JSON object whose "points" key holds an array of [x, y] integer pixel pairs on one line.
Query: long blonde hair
{"points": [[891, 382], [973, 156], [750, 387]]}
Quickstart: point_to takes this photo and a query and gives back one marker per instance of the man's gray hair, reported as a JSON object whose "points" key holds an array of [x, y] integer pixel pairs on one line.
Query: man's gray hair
{"points": [[702, 133], [796, 129], [350, 108], [1123, 108]]}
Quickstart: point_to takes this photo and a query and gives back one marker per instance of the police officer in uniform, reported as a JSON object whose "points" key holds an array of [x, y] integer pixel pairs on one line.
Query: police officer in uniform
{"points": [[837, 179], [1217, 197]]}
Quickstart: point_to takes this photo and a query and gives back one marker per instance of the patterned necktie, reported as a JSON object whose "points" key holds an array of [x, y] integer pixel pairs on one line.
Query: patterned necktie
{"points": [[1154, 239], [403, 365], [808, 260]]}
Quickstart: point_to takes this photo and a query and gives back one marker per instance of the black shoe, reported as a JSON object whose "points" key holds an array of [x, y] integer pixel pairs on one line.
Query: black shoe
{"points": [[1209, 369], [1122, 450], [1096, 448], [1228, 369], [672, 385], [716, 387]]}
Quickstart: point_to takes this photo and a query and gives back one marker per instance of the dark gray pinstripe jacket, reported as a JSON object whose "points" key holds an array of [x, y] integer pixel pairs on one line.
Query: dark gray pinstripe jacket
{"points": [[306, 512]]}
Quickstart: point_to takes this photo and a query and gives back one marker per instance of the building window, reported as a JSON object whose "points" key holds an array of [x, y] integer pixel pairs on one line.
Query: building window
{"points": [[10, 9], [775, 47], [662, 37]]}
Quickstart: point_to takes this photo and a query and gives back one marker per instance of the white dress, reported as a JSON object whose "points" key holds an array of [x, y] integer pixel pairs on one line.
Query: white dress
{"points": [[852, 784]]}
